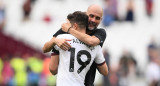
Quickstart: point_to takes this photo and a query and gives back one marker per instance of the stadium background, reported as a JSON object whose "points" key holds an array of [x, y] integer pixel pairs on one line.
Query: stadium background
{"points": [[22, 39]]}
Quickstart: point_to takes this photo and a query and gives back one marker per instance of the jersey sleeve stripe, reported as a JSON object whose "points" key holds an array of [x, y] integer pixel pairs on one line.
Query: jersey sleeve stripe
{"points": [[101, 63], [52, 54]]}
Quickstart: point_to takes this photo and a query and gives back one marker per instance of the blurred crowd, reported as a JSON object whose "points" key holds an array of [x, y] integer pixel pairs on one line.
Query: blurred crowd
{"points": [[27, 71], [112, 11], [127, 72]]}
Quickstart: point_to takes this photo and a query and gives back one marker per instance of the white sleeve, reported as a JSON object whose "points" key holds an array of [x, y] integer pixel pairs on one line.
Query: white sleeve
{"points": [[56, 47], [99, 59]]}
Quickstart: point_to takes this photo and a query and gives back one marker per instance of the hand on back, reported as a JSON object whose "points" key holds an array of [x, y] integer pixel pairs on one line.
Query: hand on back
{"points": [[63, 44]]}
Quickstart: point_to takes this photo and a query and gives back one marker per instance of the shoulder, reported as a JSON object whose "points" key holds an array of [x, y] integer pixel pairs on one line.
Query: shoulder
{"points": [[65, 36], [98, 47], [100, 30]]}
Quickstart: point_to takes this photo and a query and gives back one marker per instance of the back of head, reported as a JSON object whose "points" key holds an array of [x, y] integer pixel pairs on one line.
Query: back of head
{"points": [[79, 18]]}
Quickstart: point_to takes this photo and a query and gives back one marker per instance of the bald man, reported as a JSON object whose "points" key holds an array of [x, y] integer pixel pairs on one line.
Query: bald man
{"points": [[94, 36]]}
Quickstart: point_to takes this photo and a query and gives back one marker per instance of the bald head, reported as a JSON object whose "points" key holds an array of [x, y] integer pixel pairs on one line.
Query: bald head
{"points": [[96, 9], [95, 13]]}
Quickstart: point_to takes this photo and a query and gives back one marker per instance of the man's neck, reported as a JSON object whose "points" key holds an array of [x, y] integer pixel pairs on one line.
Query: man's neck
{"points": [[82, 30], [89, 31]]}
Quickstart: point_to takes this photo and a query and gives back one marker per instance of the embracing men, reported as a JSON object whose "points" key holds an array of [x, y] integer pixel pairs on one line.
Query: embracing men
{"points": [[93, 37]]}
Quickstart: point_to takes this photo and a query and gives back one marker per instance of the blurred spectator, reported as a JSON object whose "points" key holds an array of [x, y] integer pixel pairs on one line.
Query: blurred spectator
{"points": [[43, 80], [153, 69], [18, 64], [51, 80], [113, 76], [133, 71], [106, 54], [7, 71], [46, 66], [35, 64], [149, 7], [1, 67], [32, 77], [127, 68], [151, 47], [33, 1], [130, 11], [110, 12], [123, 69], [27, 9], [2, 15]]}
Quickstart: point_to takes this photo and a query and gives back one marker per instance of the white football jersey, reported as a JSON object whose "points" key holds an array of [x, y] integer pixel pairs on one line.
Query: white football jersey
{"points": [[76, 62]]}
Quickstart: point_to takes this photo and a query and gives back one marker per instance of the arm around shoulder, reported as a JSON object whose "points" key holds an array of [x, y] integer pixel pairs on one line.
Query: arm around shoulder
{"points": [[49, 45], [89, 40]]}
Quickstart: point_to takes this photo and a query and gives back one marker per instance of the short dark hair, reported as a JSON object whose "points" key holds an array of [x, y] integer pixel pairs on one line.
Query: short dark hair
{"points": [[79, 18]]}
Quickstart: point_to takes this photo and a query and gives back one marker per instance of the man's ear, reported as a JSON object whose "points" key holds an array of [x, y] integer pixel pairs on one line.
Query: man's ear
{"points": [[75, 26]]}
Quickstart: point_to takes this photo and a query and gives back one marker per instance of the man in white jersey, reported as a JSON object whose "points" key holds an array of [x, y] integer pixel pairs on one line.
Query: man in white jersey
{"points": [[75, 63]]}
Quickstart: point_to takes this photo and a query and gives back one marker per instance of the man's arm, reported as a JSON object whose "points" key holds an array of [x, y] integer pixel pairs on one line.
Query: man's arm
{"points": [[62, 43], [96, 39], [54, 41], [103, 69], [49, 45], [100, 61], [53, 65], [90, 40]]}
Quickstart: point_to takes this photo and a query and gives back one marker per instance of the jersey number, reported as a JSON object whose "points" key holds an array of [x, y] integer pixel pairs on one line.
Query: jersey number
{"points": [[83, 64]]}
